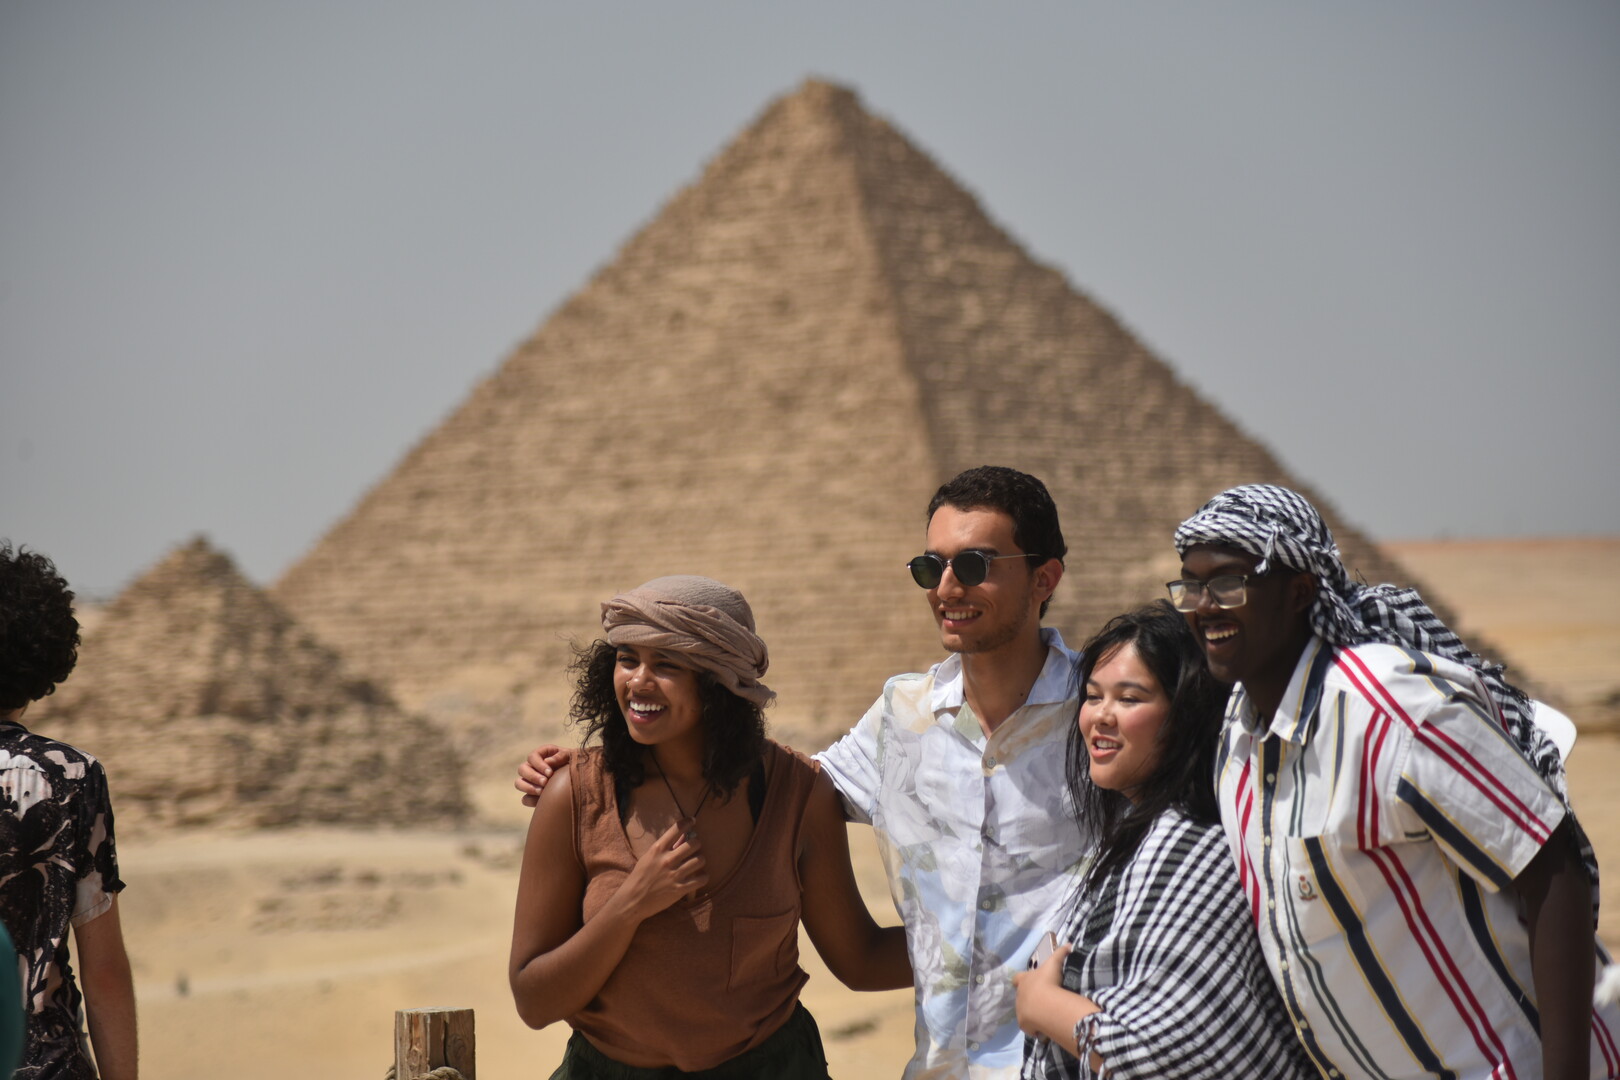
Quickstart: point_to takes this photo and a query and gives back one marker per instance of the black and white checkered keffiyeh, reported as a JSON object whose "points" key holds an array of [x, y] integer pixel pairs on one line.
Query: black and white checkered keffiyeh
{"points": [[1274, 523]]}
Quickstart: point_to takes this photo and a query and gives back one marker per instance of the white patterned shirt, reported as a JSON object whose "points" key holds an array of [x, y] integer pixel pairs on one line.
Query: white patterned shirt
{"points": [[980, 844], [1379, 819]]}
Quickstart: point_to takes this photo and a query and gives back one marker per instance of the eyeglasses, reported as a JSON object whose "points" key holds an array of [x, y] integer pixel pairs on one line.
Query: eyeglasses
{"points": [[971, 567], [1227, 590]]}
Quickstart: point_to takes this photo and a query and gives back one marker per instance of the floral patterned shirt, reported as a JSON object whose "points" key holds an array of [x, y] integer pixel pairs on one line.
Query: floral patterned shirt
{"points": [[58, 867], [980, 844]]}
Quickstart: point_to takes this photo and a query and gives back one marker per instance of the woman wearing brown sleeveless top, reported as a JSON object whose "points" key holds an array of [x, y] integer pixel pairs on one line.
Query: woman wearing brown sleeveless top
{"points": [[667, 870]]}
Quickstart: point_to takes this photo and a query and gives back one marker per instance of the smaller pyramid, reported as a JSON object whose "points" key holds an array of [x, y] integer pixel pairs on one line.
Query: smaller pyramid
{"points": [[210, 706]]}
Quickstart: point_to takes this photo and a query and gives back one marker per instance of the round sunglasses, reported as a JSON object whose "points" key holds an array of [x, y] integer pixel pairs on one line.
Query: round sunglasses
{"points": [[971, 567]]}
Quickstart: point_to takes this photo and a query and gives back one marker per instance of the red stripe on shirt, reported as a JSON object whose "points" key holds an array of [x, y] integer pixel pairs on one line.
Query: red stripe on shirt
{"points": [[1525, 818], [1443, 966], [1448, 751], [1246, 875], [1430, 734], [1372, 747], [1363, 783], [1605, 1040]]}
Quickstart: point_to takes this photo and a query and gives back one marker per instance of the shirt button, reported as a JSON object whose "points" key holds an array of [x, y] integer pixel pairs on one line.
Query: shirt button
{"points": [[1266, 842], [1333, 1072], [990, 762], [1303, 1025], [986, 904], [978, 980], [990, 834], [972, 1045], [1271, 778], [1271, 905], [1283, 965]]}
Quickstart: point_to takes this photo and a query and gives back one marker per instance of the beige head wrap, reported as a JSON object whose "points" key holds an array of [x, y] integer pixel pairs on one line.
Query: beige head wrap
{"points": [[705, 623]]}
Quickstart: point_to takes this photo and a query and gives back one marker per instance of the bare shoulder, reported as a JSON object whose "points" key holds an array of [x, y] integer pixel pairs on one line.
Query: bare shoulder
{"points": [[824, 824], [824, 798], [554, 808], [560, 788]]}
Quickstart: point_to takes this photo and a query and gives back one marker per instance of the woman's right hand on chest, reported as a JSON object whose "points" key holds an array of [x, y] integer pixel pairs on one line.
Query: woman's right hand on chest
{"points": [[669, 870]]}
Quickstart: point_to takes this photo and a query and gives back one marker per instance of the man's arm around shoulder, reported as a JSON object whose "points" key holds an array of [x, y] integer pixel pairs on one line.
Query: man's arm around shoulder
{"points": [[109, 993]]}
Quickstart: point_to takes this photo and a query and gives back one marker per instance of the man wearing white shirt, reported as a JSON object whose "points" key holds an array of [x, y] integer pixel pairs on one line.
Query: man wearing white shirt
{"points": [[959, 770], [1423, 893]]}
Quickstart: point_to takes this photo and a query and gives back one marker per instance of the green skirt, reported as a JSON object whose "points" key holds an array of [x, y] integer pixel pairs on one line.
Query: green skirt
{"points": [[793, 1052]]}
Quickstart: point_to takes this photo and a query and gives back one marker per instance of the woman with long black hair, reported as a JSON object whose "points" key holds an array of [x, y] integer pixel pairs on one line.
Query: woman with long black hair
{"points": [[1160, 972]]}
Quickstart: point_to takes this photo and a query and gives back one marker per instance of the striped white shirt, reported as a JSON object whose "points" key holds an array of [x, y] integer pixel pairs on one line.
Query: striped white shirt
{"points": [[1378, 820], [980, 844], [1165, 948]]}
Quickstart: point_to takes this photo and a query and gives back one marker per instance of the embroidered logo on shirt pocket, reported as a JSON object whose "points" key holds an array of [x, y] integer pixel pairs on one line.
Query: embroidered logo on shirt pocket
{"points": [[1315, 898], [763, 948]]}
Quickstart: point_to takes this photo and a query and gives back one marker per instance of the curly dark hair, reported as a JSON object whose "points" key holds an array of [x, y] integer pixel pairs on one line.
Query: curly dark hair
{"points": [[1021, 497], [733, 727], [39, 637], [1190, 736]]}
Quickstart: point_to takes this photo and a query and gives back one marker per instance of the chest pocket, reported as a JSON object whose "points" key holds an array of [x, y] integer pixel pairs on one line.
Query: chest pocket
{"points": [[1319, 902], [763, 949]]}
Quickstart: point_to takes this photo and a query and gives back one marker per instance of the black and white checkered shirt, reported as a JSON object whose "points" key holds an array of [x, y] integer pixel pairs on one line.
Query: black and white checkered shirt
{"points": [[1167, 948]]}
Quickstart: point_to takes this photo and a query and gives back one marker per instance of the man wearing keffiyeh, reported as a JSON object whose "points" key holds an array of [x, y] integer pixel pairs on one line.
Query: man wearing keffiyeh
{"points": [[1401, 824]]}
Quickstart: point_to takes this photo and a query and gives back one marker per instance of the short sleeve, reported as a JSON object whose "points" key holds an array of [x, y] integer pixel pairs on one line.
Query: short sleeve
{"points": [[853, 765], [97, 858], [1468, 785]]}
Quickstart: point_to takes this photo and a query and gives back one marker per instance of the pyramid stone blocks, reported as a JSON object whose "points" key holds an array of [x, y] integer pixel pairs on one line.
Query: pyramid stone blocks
{"points": [[765, 385], [209, 705]]}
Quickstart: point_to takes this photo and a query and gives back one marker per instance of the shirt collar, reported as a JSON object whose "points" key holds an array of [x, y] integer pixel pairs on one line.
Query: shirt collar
{"points": [[1292, 720], [1055, 684]]}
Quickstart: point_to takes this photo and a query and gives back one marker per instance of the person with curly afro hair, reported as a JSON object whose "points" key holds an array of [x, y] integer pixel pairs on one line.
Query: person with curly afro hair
{"points": [[58, 863]]}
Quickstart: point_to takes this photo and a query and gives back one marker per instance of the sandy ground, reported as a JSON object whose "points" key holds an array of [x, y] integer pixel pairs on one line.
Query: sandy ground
{"points": [[286, 953], [1552, 606]]}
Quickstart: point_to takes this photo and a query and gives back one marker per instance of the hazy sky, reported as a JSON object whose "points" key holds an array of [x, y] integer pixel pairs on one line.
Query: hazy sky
{"points": [[250, 253]]}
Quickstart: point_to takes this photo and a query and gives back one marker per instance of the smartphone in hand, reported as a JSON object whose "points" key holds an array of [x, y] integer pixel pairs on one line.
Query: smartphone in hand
{"points": [[1043, 949]]}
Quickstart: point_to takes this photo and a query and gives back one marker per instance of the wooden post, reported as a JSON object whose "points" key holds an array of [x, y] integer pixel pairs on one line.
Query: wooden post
{"points": [[425, 1039]]}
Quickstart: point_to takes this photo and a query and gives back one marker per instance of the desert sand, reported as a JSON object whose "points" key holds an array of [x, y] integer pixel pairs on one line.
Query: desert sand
{"points": [[264, 955]]}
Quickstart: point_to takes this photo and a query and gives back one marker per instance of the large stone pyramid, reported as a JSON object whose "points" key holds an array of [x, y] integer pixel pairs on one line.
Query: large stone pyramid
{"points": [[765, 385], [209, 705]]}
